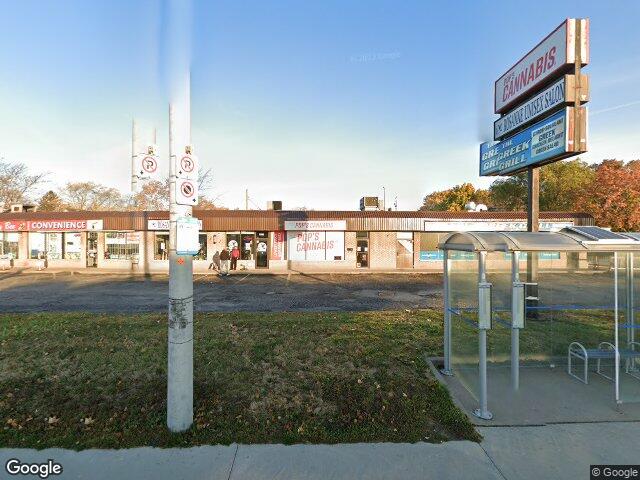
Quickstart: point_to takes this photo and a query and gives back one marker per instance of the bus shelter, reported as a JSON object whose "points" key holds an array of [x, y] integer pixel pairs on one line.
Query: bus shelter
{"points": [[541, 327]]}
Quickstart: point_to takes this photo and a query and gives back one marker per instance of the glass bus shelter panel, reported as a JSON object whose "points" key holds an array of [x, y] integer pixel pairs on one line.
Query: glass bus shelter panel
{"points": [[499, 336], [571, 302], [628, 331], [463, 288]]}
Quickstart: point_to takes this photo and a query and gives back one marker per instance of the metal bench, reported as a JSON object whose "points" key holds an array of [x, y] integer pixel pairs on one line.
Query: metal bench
{"points": [[605, 350]]}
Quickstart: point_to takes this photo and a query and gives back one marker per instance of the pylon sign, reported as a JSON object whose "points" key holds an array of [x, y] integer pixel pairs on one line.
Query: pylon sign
{"points": [[186, 192], [148, 165]]}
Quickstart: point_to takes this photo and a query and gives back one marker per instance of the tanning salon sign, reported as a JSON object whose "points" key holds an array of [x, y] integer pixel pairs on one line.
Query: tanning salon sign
{"points": [[555, 54], [559, 93]]}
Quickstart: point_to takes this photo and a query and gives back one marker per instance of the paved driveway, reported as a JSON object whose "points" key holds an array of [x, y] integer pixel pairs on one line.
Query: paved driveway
{"points": [[240, 292]]}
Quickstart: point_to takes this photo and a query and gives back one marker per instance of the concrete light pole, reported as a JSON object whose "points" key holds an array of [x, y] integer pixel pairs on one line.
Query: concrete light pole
{"points": [[180, 338]]}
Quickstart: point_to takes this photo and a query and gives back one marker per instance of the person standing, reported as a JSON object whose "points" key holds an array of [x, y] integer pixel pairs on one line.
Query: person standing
{"points": [[224, 262], [235, 255]]}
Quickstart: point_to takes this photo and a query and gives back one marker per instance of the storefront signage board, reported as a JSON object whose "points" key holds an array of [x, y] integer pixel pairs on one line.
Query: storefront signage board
{"points": [[316, 225], [551, 57]]}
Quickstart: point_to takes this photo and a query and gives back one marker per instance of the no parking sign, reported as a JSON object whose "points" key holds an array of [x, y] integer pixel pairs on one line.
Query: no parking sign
{"points": [[148, 166]]}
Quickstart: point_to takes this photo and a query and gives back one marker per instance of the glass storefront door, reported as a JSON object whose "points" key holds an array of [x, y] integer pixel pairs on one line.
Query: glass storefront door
{"points": [[362, 250], [92, 249], [262, 250]]}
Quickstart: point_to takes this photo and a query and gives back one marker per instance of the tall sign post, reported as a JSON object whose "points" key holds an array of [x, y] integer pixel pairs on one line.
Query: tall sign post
{"points": [[144, 159], [183, 195], [542, 120]]}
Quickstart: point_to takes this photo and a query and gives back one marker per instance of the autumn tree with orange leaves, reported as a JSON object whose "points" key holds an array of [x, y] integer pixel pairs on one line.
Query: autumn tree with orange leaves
{"points": [[613, 198]]}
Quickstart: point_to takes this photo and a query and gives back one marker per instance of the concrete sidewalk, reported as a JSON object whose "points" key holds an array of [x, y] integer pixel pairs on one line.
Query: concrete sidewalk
{"points": [[515, 453]]}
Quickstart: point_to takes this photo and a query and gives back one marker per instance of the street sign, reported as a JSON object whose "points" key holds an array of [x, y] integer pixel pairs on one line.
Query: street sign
{"points": [[186, 192], [187, 236], [148, 165], [560, 93], [186, 166], [546, 141], [556, 54]]}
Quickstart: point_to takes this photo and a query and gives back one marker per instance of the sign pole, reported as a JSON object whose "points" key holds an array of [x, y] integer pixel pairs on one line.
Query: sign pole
{"points": [[533, 225], [134, 157], [577, 135], [180, 337]]}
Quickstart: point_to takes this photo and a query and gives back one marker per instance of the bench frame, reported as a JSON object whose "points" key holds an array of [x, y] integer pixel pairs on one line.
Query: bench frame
{"points": [[577, 350]]}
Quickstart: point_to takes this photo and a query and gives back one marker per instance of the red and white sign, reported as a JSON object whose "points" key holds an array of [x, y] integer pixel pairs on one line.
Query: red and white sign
{"points": [[14, 226], [277, 246], [315, 246], [49, 225], [316, 225], [186, 167], [186, 192], [57, 225], [554, 55], [148, 166]]}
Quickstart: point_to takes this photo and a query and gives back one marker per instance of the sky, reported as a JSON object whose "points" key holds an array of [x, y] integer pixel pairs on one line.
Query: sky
{"points": [[312, 103]]}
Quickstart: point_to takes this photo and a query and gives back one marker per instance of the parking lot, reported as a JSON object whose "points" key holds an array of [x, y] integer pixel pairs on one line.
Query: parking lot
{"points": [[46, 292]]}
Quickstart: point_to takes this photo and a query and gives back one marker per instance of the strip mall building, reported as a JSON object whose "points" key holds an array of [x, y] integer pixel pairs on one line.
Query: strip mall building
{"points": [[268, 240]]}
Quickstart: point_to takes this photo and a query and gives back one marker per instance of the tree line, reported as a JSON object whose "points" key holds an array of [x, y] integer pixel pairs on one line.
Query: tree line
{"points": [[19, 185], [609, 190]]}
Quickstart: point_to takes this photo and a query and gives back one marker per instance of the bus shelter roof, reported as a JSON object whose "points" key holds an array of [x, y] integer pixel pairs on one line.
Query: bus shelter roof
{"points": [[571, 239]]}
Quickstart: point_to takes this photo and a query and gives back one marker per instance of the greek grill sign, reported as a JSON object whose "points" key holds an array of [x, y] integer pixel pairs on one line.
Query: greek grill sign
{"points": [[545, 141], [557, 94], [556, 53]]}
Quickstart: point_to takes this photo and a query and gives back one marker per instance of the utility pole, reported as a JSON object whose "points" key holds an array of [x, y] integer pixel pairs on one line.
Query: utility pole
{"points": [[246, 199], [384, 198], [180, 338]]}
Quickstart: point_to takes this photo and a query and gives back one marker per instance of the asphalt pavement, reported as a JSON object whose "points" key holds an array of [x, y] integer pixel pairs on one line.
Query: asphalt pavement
{"points": [[45, 292]]}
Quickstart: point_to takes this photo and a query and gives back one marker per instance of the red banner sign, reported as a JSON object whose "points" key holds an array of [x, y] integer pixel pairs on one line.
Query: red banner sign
{"points": [[43, 225], [277, 247]]}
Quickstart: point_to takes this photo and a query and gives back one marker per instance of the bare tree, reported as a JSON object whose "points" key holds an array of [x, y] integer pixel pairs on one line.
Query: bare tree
{"points": [[154, 195], [91, 196], [205, 179], [17, 185]]}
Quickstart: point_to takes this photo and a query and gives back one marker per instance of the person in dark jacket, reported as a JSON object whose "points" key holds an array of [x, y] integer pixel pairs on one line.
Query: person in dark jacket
{"points": [[224, 262]]}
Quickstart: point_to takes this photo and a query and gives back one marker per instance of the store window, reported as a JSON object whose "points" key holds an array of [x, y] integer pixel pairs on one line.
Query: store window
{"points": [[72, 246], [9, 244], [121, 245], [315, 246], [429, 247], [202, 253], [244, 241], [161, 247], [45, 245]]}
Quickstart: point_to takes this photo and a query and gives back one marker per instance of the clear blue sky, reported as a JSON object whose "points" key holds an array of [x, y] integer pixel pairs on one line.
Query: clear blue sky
{"points": [[313, 103]]}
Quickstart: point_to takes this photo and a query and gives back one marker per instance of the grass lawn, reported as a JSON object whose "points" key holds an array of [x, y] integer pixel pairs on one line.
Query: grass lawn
{"points": [[79, 380]]}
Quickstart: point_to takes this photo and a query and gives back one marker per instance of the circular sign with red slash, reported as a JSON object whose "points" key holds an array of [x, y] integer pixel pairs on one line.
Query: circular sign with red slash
{"points": [[187, 189], [149, 164], [187, 164]]}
